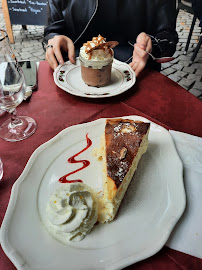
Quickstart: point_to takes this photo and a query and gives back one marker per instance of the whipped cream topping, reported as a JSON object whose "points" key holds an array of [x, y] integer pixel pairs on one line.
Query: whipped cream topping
{"points": [[71, 212], [98, 54]]}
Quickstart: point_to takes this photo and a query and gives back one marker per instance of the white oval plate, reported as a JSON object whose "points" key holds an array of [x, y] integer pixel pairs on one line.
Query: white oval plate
{"points": [[68, 78], [150, 209]]}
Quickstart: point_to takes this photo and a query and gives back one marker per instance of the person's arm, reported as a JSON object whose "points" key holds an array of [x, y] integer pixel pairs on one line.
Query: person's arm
{"points": [[55, 35], [57, 45], [163, 33], [55, 20], [140, 56], [162, 37]]}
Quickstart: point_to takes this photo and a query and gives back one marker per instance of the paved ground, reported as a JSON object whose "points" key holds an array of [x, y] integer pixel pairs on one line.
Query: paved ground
{"points": [[28, 46], [180, 70]]}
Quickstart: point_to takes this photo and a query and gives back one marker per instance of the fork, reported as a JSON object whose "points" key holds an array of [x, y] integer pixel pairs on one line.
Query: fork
{"points": [[160, 59]]}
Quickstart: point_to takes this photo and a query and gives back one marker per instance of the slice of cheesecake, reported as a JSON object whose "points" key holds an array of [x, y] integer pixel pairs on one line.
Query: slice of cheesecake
{"points": [[122, 146]]}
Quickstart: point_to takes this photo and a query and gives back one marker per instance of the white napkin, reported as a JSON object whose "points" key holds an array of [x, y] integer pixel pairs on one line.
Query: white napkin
{"points": [[187, 234]]}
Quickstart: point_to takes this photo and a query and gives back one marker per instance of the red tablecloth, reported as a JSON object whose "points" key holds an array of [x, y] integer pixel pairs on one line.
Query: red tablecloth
{"points": [[154, 96]]}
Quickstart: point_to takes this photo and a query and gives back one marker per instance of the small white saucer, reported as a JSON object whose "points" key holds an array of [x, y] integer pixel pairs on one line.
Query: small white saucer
{"points": [[68, 78]]}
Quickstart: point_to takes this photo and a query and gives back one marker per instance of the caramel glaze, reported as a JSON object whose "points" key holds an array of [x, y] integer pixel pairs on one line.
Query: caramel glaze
{"points": [[96, 41], [99, 43], [123, 138]]}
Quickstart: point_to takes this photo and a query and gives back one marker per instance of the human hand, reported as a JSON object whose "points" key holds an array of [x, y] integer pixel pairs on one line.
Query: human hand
{"points": [[54, 55], [140, 57]]}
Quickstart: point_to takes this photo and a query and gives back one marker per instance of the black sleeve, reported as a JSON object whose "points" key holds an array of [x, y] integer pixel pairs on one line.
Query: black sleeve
{"points": [[55, 22], [164, 37]]}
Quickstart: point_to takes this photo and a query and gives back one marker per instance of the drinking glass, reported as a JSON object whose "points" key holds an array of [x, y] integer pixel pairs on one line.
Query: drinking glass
{"points": [[12, 91]]}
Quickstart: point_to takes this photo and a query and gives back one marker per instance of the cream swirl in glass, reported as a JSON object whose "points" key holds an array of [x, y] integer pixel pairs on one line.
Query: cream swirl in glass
{"points": [[71, 212]]}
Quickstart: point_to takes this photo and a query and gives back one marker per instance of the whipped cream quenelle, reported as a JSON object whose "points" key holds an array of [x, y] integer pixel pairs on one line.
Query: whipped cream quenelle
{"points": [[96, 59], [71, 212]]}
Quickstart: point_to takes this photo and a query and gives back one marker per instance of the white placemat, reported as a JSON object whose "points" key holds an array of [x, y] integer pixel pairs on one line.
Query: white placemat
{"points": [[187, 235]]}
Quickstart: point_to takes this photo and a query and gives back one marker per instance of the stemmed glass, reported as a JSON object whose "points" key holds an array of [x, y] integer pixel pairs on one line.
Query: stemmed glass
{"points": [[12, 91]]}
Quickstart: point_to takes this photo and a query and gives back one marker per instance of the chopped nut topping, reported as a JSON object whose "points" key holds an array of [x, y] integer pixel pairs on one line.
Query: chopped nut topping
{"points": [[128, 129], [123, 153], [96, 41]]}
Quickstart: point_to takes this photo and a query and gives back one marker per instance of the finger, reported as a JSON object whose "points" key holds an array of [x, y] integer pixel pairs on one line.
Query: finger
{"points": [[50, 64], [134, 65], [135, 60], [140, 67], [142, 40], [136, 57], [142, 47], [50, 57], [149, 46], [48, 60], [71, 51], [58, 55], [142, 53]]}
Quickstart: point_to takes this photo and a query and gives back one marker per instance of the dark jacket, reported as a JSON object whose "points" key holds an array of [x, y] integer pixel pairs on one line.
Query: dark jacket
{"points": [[126, 20]]}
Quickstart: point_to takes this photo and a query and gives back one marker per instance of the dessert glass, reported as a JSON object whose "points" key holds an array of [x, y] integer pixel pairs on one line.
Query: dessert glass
{"points": [[96, 72]]}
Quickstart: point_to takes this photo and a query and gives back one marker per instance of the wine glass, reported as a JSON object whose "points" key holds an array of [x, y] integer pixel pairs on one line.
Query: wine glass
{"points": [[12, 91]]}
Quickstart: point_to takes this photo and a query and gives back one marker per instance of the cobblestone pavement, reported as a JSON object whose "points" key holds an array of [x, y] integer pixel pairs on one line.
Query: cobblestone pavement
{"points": [[28, 47], [180, 70]]}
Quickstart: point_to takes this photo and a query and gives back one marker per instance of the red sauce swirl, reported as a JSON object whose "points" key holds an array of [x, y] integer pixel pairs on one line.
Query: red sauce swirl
{"points": [[72, 159]]}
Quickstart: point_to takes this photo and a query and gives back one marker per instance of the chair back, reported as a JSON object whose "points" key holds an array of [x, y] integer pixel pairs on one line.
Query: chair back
{"points": [[197, 9]]}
